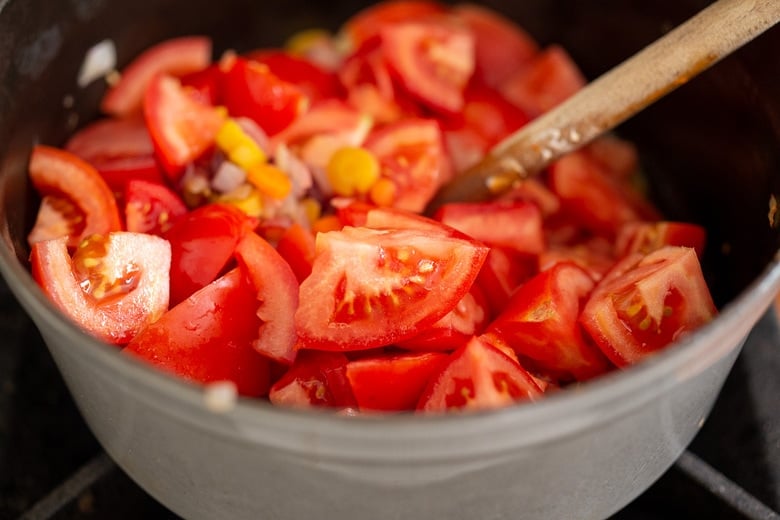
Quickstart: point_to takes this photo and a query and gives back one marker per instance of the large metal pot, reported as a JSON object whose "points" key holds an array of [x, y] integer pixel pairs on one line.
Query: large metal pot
{"points": [[711, 152]]}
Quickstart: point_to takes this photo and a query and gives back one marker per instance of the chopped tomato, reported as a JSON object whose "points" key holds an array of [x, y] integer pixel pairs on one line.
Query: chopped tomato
{"points": [[501, 46], [113, 286], [646, 303], [433, 61], [478, 376], [182, 127], [468, 318], [175, 57], [411, 155], [549, 79], [392, 382], [596, 255], [503, 272], [202, 245], [252, 90], [151, 207], [297, 247], [77, 202], [645, 237], [374, 287], [366, 24], [205, 84], [277, 296], [540, 323], [510, 225], [316, 83], [208, 337], [315, 378]]}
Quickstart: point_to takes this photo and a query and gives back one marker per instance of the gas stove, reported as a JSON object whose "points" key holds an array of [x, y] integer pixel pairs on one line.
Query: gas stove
{"points": [[51, 467]]}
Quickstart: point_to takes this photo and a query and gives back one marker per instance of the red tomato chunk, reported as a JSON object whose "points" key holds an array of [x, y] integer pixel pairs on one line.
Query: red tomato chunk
{"points": [[256, 219]]}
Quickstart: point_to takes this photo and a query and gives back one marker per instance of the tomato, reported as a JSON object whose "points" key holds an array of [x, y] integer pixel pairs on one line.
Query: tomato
{"points": [[468, 318], [175, 57], [647, 302], [151, 207], [315, 379], [433, 61], [208, 337], [411, 154], [371, 287], [477, 376], [549, 79], [113, 287], [540, 323], [501, 46], [252, 90], [205, 84], [77, 202], [360, 214], [316, 83], [511, 225], [182, 127], [595, 255], [392, 382], [366, 24], [111, 138], [297, 247], [645, 237], [277, 296], [589, 196], [503, 272], [202, 245]]}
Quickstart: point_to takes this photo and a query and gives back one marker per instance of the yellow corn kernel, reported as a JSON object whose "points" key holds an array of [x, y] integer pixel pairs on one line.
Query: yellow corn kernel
{"points": [[311, 208], [270, 180], [302, 41], [246, 157], [352, 170], [250, 202], [383, 192]]}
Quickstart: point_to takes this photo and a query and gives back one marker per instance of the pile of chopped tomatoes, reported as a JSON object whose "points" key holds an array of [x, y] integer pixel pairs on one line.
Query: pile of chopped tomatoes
{"points": [[258, 219]]}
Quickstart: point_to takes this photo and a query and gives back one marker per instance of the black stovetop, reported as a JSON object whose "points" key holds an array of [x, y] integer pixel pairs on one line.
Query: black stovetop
{"points": [[51, 467]]}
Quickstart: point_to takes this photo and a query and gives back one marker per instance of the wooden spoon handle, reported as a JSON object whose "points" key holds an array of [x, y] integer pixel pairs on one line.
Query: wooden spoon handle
{"points": [[617, 95]]}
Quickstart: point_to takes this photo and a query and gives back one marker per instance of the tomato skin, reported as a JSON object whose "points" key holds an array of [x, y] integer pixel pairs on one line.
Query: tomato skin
{"points": [[151, 207], [432, 60], [501, 46], [477, 376], [62, 175], [411, 155], [202, 245], [277, 293], [316, 378], [176, 57], [182, 127], [510, 225], [316, 83], [504, 271], [646, 302], [252, 90], [392, 382], [208, 337], [113, 319], [370, 288], [540, 323], [297, 247], [366, 24]]}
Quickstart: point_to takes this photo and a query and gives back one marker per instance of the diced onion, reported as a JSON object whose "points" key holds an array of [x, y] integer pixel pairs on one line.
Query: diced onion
{"points": [[99, 62]]}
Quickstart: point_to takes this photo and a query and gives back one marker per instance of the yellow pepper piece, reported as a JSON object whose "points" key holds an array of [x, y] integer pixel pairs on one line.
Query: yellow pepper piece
{"points": [[239, 147], [311, 208], [352, 170], [301, 42], [270, 180]]}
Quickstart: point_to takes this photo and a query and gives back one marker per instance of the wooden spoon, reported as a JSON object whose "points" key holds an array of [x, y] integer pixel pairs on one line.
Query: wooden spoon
{"points": [[617, 95]]}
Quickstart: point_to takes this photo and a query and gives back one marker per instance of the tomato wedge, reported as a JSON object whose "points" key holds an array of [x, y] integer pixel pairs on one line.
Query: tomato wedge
{"points": [[277, 294], [432, 60], [182, 127], [298, 248], [77, 202], [113, 287], [540, 324], [316, 83], [175, 57], [392, 382], [315, 379], [202, 245], [208, 337], [366, 24], [478, 376], [645, 237], [370, 287], [151, 207], [646, 303]]}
